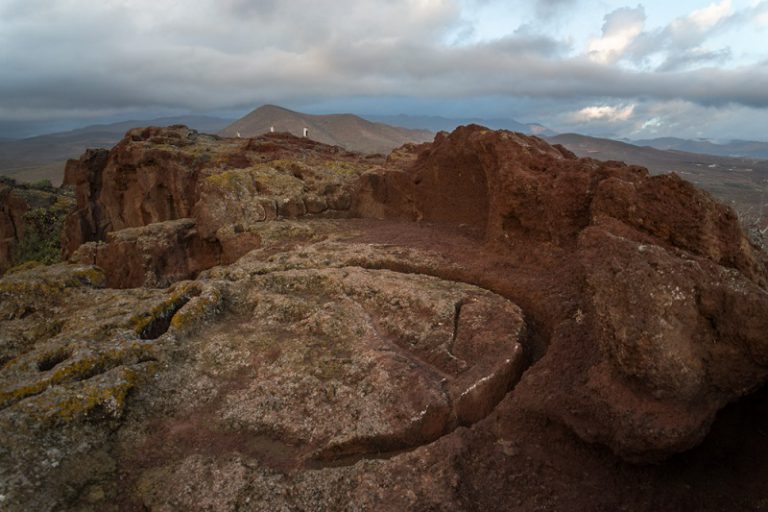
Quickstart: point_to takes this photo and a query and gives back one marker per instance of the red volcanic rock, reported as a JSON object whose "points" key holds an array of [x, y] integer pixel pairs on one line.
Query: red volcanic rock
{"points": [[521, 329], [661, 266], [678, 214], [12, 210], [678, 337], [155, 255], [146, 178], [514, 186], [226, 186], [504, 183], [664, 268]]}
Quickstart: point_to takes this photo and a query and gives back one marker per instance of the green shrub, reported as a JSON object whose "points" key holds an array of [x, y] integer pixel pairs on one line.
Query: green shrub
{"points": [[42, 231], [42, 185]]}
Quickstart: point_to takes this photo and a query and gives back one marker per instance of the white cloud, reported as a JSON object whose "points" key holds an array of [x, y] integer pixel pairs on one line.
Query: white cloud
{"points": [[693, 30], [761, 13], [620, 29], [709, 16], [608, 113], [652, 124]]}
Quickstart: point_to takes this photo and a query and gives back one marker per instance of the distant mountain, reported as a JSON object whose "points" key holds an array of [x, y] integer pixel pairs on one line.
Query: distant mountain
{"points": [[743, 182], [44, 156], [738, 148], [437, 123], [347, 130]]}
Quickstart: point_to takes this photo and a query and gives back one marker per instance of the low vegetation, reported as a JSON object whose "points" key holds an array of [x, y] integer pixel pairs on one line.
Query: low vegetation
{"points": [[43, 221]]}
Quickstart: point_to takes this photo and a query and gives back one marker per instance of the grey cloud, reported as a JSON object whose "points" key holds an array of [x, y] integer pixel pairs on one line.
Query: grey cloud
{"points": [[682, 40], [195, 59], [617, 20], [551, 8], [514, 66], [685, 59], [263, 8]]}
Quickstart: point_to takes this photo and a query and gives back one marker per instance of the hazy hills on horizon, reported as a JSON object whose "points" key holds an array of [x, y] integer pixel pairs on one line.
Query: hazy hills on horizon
{"points": [[439, 123], [732, 148], [347, 130], [743, 182], [44, 156]]}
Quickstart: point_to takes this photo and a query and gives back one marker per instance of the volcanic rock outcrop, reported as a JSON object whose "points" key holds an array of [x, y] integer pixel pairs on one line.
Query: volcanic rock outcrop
{"points": [[484, 322], [663, 267], [222, 187]]}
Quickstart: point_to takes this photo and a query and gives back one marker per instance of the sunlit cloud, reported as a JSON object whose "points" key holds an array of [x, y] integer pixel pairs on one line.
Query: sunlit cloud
{"points": [[620, 29], [608, 113], [709, 16]]}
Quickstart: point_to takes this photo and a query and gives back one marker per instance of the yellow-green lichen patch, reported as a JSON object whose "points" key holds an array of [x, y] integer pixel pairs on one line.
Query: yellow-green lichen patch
{"points": [[147, 324], [228, 179], [43, 289], [275, 182], [48, 281], [27, 265], [30, 379], [90, 276], [102, 396], [199, 308], [276, 232], [261, 179], [294, 168], [64, 203]]}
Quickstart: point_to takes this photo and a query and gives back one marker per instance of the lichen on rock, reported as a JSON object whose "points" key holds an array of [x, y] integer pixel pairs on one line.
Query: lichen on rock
{"points": [[484, 322]]}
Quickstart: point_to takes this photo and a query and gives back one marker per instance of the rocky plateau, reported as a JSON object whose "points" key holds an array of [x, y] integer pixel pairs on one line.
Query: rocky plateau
{"points": [[482, 322]]}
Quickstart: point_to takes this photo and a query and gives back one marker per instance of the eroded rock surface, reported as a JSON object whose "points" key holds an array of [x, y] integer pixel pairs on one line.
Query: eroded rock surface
{"points": [[503, 327], [662, 264], [226, 186], [349, 361]]}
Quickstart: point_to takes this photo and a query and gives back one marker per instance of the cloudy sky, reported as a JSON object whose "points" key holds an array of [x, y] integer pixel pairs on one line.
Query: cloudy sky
{"points": [[637, 69]]}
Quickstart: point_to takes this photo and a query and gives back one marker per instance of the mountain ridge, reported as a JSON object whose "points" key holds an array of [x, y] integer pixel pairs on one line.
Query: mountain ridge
{"points": [[741, 182], [732, 148], [440, 123], [347, 130]]}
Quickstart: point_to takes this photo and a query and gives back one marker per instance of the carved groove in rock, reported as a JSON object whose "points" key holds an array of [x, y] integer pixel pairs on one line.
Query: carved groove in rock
{"points": [[343, 364]]}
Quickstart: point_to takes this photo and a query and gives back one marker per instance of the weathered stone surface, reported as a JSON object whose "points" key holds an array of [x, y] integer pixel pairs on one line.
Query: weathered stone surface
{"points": [[679, 338], [71, 354], [227, 186], [352, 361], [662, 364], [155, 255], [522, 331], [312, 365]]}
